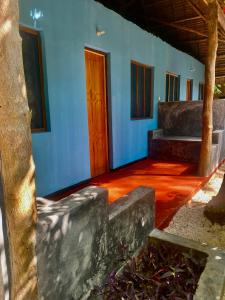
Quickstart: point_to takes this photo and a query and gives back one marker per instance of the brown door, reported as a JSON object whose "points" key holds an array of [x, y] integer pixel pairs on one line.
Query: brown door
{"points": [[189, 90], [96, 90]]}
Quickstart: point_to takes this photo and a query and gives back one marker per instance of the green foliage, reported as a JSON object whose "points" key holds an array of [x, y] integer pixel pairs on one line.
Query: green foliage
{"points": [[218, 89]]}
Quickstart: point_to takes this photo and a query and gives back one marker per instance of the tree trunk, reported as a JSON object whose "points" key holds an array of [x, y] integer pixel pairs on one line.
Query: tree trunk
{"points": [[17, 166], [215, 209], [207, 117]]}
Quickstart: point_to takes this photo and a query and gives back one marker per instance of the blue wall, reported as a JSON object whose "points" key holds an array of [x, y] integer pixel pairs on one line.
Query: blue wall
{"points": [[62, 155]]}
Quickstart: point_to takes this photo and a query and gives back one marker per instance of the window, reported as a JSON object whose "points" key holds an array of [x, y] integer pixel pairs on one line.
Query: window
{"points": [[141, 91], [201, 91], [33, 71], [172, 87]]}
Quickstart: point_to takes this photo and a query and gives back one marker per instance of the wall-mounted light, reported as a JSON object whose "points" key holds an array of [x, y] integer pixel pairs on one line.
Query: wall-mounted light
{"points": [[36, 15], [191, 69], [100, 32]]}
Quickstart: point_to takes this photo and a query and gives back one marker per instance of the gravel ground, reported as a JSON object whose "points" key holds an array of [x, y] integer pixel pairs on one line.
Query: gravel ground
{"points": [[189, 222]]}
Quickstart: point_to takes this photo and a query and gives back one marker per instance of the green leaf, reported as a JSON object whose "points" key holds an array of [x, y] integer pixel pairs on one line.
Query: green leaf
{"points": [[167, 274]]}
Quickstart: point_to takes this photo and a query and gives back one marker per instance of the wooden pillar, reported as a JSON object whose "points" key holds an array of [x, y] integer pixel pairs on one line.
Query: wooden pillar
{"points": [[207, 121], [17, 169]]}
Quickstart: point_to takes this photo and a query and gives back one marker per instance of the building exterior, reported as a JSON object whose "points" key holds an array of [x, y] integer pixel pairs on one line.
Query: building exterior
{"points": [[61, 152]]}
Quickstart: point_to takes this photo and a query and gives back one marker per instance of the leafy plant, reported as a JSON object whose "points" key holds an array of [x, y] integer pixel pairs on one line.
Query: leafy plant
{"points": [[217, 89], [158, 273]]}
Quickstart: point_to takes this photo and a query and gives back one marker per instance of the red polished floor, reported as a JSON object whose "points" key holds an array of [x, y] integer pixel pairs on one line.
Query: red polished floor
{"points": [[174, 183]]}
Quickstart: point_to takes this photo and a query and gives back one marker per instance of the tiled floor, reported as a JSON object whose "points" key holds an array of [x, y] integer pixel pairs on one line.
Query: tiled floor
{"points": [[174, 183]]}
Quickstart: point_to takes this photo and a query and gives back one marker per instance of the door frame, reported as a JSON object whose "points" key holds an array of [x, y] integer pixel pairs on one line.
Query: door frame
{"points": [[191, 89], [107, 101]]}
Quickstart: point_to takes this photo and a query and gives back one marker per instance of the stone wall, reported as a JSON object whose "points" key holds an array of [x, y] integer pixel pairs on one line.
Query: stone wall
{"points": [[185, 118], [80, 238]]}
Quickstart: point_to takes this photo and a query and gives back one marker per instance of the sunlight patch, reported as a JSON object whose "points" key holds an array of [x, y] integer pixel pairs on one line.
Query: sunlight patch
{"points": [[5, 28]]}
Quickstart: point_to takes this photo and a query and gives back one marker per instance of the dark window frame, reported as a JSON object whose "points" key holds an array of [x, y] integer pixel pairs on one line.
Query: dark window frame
{"points": [[37, 35], [172, 76], [150, 89]]}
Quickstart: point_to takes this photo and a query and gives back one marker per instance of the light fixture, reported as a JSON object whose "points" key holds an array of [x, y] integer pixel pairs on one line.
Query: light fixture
{"points": [[191, 69], [100, 32], [36, 15]]}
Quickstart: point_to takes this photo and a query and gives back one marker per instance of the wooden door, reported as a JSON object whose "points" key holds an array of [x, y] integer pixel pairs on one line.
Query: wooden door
{"points": [[189, 90], [96, 90]]}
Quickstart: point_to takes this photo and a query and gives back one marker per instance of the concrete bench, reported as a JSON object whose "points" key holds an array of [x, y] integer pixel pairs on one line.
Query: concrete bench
{"points": [[185, 148], [177, 148]]}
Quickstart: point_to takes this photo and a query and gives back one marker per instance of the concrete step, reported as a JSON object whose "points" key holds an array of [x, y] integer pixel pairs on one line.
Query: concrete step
{"points": [[177, 148], [181, 138]]}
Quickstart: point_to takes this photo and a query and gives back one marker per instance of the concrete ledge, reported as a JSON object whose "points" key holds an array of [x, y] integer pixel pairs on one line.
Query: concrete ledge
{"points": [[156, 133], [212, 281], [131, 219]]}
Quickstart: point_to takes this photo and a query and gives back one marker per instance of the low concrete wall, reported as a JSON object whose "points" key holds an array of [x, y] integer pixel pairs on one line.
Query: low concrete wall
{"points": [[79, 238], [130, 219], [72, 244], [184, 118]]}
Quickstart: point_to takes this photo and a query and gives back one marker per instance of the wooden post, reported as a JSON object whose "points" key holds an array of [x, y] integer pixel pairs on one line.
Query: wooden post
{"points": [[17, 170], [207, 121]]}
